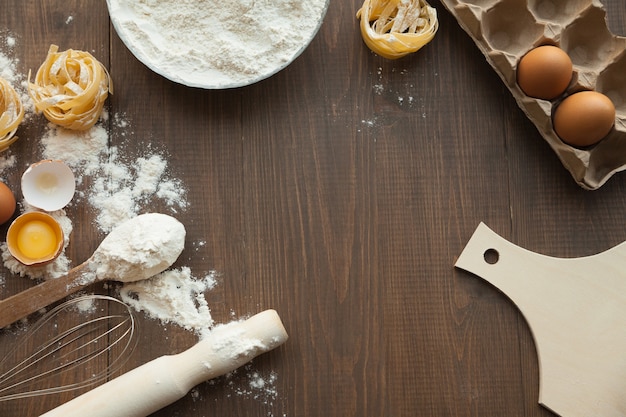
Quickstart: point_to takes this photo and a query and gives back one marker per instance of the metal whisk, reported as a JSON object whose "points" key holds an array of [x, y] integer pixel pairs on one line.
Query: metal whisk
{"points": [[47, 356]]}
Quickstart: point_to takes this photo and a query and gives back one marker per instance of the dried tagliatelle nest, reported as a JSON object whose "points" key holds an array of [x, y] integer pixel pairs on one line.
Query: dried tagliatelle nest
{"points": [[70, 88], [395, 28], [11, 114]]}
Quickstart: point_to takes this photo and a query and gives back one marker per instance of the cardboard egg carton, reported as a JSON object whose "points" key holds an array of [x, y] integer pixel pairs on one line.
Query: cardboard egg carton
{"points": [[505, 30]]}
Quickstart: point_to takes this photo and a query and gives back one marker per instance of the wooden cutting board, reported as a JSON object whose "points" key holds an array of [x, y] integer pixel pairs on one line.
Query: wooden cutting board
{"points": [[576, 311]]}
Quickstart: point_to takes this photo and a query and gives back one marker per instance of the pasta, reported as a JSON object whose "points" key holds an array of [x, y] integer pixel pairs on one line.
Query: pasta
{"points": [[11, 114], [395, 28], [70, 88]]}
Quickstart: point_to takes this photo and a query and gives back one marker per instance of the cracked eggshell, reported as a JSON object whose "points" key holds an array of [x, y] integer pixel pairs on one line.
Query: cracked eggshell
{"points": [[48, 185]]}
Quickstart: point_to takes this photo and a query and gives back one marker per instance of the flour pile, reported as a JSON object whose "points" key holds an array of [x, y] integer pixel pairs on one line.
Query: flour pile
{"points": [[188, 309], [224, 44]]}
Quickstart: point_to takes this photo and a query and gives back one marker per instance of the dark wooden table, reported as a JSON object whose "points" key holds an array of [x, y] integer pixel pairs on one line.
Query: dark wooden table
{"points": [[340, 192]]}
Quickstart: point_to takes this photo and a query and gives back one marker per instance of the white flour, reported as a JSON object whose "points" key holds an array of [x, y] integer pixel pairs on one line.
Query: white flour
{"points": [[188, 309], [8, 65], [9, 71], [225, 43], [140, 248], [7, 160], [118, 191], [118, 188]]}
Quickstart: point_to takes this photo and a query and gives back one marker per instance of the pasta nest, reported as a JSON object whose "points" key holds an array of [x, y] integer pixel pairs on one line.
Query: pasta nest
{"points": [[11, 114], [70, 88], [395, 28]]}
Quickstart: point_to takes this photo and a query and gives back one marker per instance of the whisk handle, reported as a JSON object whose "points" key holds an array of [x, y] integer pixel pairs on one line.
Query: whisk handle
{"points": [[42, 295], [165, 380]]}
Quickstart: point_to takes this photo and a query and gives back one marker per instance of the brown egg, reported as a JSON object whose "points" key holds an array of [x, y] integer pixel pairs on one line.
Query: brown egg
{"points": [[584, 118], [7, 203], [544, 72]]}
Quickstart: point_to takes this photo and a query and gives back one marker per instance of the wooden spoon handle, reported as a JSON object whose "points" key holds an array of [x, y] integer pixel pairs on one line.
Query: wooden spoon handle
{"points": [[35, 298]]}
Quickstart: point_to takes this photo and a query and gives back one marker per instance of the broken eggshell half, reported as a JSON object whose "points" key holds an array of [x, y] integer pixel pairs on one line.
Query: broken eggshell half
{"points": [[48, 185]]}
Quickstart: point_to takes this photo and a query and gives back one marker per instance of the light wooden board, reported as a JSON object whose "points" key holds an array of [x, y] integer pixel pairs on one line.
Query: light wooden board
{"points": [[576, 310]]}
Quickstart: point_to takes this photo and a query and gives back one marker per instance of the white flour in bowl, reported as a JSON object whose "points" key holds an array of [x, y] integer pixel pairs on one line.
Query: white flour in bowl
{"points": [[216, 44]]}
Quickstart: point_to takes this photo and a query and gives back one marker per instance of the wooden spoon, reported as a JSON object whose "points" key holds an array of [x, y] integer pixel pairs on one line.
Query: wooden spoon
{"points": [[576, 311], [137, 249]]}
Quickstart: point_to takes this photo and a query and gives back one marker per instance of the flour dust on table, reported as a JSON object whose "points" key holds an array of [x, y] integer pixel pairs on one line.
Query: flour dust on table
{"points": [[116, 187]]}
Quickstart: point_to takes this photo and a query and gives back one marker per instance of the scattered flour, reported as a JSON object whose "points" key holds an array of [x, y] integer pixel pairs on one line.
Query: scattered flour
{"points": [[8, 68], [174, 296], [249, 382], [84, 304], [9, 71], [261, 386], [82, 151], [118, 188], [10, 41], [115, 190], [7, 161]]}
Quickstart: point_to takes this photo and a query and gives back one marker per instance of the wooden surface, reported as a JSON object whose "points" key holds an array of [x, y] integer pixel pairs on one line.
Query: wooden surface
{"points": [[340, 192]]}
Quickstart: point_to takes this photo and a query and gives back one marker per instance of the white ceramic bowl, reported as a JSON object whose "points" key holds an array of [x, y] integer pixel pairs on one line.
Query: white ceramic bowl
{"points": [[201, 57]]}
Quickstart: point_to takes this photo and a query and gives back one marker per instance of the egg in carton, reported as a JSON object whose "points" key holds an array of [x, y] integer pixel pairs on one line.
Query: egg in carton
{"points": [[506, 30]]}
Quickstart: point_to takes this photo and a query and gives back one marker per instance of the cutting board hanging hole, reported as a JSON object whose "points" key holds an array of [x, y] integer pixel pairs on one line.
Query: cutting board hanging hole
{"points": [[491, 256]]}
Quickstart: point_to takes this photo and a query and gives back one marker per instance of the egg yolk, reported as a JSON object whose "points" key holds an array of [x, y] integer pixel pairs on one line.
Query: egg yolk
{"points": [[37, 239]]}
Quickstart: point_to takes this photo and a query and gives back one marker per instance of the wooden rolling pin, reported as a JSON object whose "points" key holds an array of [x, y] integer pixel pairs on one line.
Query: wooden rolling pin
{"points": [[576, 311], [158, 383]]}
